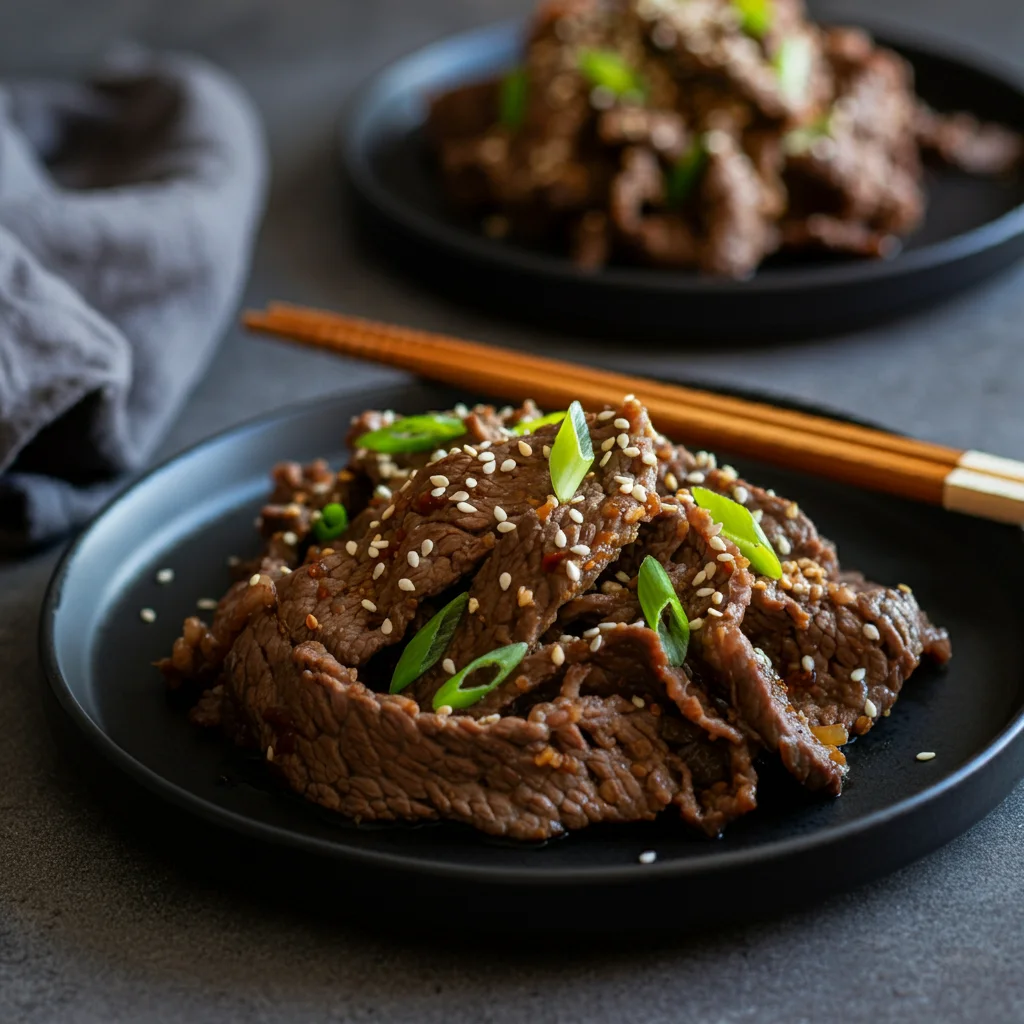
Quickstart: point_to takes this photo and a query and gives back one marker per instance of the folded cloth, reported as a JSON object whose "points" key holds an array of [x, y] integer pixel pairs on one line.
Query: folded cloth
{"points": [[127, 212]]}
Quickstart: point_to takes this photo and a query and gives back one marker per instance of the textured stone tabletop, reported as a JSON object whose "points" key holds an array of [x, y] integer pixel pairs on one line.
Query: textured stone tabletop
{"points": [[97, 926]]}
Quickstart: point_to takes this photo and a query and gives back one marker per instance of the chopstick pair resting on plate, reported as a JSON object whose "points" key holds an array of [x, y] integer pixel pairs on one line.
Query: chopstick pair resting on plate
{"points": [[968, 481]]}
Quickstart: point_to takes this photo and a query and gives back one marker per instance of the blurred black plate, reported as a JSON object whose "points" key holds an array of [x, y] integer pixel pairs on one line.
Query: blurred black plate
{"points": [[974, 226], [191, 513]]}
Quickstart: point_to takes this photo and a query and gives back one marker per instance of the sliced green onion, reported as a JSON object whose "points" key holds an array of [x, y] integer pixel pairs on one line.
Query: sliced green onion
{"points": [[662, 609], [529, 426], [605, 69], [742, 529], [756, 16], [572, 454], [800, 140], [413, 434], [794, 63], [683, 177], [504, 659], [427, 646], [333, 522], [513, 98]]}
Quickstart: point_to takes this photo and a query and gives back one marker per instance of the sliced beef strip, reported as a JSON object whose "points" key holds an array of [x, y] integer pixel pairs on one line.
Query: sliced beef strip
{"points": [[846, 628], [534, 569], [963, 141]]}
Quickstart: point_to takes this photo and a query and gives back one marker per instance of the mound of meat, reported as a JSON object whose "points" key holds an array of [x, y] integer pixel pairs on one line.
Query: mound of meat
{"points": [[594, 724], [725, 130]]}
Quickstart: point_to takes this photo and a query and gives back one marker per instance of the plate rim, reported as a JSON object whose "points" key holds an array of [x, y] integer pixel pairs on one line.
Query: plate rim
{"points": [[357, 124], [976, 770]]}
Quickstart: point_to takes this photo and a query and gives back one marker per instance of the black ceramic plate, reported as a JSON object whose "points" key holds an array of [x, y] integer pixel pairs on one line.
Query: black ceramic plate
{"points": [[193, 512], [974, 226]]}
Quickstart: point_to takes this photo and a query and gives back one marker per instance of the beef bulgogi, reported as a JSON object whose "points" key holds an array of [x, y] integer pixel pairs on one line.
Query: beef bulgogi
{"points": [[702, 134], [530, 624]]}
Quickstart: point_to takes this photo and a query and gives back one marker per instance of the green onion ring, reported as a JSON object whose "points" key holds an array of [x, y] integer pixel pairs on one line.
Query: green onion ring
{"points": [[742, 529], [413, 434], [505, 659], [572, 454], [658, 596], [428, 645], [333, 522]]}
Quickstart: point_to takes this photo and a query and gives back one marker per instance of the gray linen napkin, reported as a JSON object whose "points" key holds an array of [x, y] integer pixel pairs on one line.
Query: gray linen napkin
{"points": [[127, 212]]}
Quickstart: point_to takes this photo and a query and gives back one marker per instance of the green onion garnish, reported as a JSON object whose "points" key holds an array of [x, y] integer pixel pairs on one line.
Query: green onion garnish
{"points": [[333, 522], [505, 659], [742, 529], [413, 434], [512, 100], [427, 646], [529, 426], [572, 454], [605, 69], [658, 596], [683, 177], [756, 16], [793, 63]]}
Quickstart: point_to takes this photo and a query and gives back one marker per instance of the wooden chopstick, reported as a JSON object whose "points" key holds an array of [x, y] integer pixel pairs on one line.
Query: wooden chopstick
{"points": [[971, 482]]}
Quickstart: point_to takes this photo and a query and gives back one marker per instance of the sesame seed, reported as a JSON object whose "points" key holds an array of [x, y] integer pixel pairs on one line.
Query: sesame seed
{"points": [[368, 605], [444, 710], [167, 575], [638, 702], [464, 506], [525, 449], [406, 584], [622, 440], [327, 551], [546, 450], [506, 527], [426, 547], [903, 587], [706, 591], [621, 424], [468, 449], [714, 611], [858, 674], [717, 543], [925, 755], [525, 597], [592, 632], [792, 510], [285, 571], [869, 708], [378, 570], [449, 666], [377, 542], [557, 655], [270, 753], [717, 597], [388, 512], [374, 525], [386, 627], [459, 496], [639, 492], [696, 623], [489, 468], [696, 477], [413, 558], [740, 494], [649, 459], [572, 570], [725, 556], [576, 515], [603, 417], [254, 579], [312, 622], [699, 579], [508, 465], [782, 543], [147, 615], [500, 514], [471, 481], [560, 539], [505, 581], [206, 603], [483, 444], [580, 549], [757, 515], [486, 456], [807, 663], [628, 398], [608, 444], [870, 630], [626, 488], [437, 492], [622, 577], [647, 857], [709, 569], [632, 451], [473, 605], [671, 482], [439, 480], [595, 644], [608, 625], [383, 492], [489, 719]]}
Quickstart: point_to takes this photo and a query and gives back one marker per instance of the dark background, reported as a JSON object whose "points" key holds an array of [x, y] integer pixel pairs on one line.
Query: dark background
{"points": [[97, 925]]}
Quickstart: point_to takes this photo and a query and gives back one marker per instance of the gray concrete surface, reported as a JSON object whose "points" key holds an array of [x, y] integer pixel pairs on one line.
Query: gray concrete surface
{"points": [[97, 927]]}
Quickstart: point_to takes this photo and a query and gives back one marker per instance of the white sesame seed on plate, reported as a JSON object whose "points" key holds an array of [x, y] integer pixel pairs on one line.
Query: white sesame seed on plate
{"points": [[870, 630], [740, 494], [459, 496], [505, 580], [621, 424], [524, 598], [439, 480], [254, 579], [472, 605], [647, 857], [626, 488], [383, 492], [471, 481], [388, 512], [726, 556], [285, 571], [638, 701], [925, 755], [464, 506], [500, 514], [705, 591], [506, 527], [757, 515], [639, 492], [508, 465], [572, 570], [591, 632], [437, 492], [167, 575], [807, 663], [406, 584], [698, 580], [717, 597], [709, 569], [468, 449], [386, 627], [632, 451], [206, 603], [374, 525], [426, 547], [368, 605], [449, 666], [858, 674], [289, 537], [560, 539], [696, 623], [483, 444], [546, 450], [486, 456], [783, 545], [580, 549], [869, 708], [444, 710], [604, 459], [576, 515], [608, 444], [715, 612], [489, 468], [595, 644], [717, 543], [622, 577], [649, 459], [378, 570], [622, 440], [557, 655], [147, 615], [413, 558], [606, 415], [696, 477], [525, 449], [792, 510]]}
